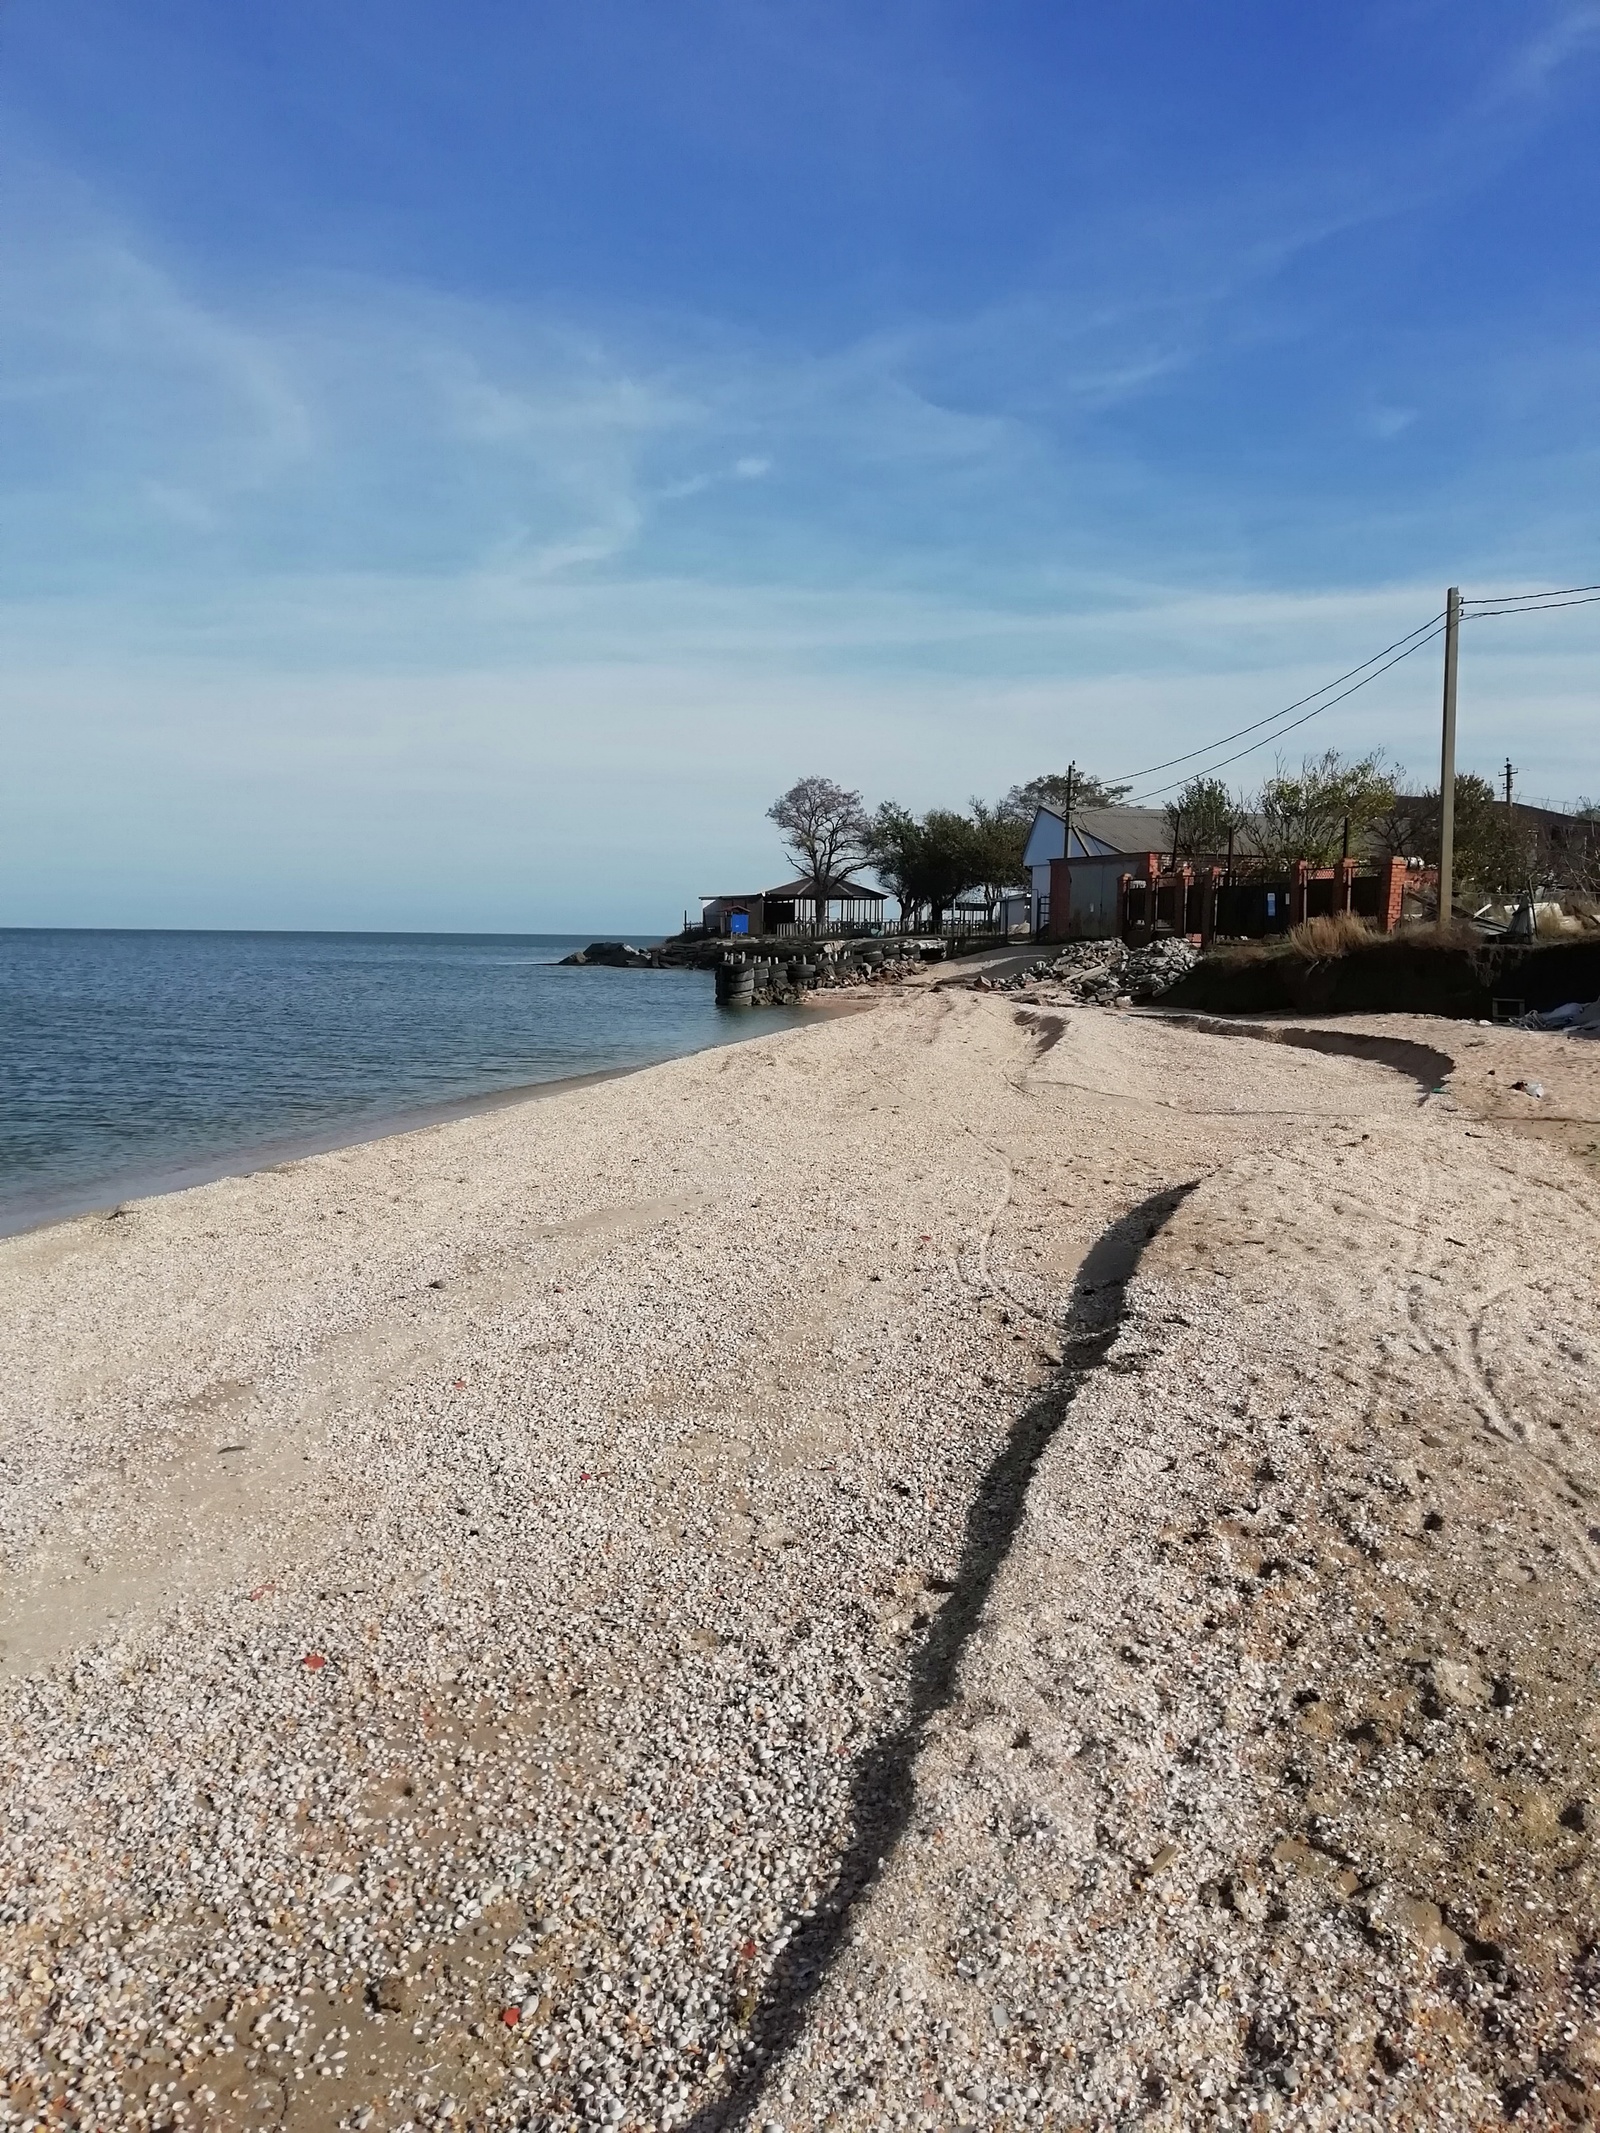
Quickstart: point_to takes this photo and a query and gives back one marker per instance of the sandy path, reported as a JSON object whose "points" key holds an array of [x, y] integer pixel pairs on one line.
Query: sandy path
{"points": [[636, 1465]]}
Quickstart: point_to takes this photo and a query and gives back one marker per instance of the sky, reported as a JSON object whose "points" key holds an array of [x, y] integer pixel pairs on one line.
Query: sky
{"points": [[459, 462]]}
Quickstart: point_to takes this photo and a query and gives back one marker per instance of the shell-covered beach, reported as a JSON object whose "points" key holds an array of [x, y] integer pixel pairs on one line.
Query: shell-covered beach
{"points": [[979, 1562]]}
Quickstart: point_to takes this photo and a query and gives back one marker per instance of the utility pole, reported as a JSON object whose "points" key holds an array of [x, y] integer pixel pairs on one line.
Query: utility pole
{"points": [[1510, 773], [1064, 922], [1447, 757]]}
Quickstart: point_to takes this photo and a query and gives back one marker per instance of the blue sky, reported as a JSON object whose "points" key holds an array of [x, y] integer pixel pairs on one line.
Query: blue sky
{"points": [[459, 462]]}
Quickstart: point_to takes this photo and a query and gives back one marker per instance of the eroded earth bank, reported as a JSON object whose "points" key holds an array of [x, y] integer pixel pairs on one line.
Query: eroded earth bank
{"points": [[962, 1565]]}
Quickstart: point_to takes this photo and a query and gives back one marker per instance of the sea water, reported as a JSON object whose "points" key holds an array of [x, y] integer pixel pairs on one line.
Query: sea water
{"points": [[131, 1062]]}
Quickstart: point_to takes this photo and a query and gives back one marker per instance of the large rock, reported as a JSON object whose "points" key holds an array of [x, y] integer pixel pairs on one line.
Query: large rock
{"points": [[613, 955]]}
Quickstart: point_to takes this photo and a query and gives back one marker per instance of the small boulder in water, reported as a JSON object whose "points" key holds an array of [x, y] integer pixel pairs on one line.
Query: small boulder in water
{"points": [[612, 955]]}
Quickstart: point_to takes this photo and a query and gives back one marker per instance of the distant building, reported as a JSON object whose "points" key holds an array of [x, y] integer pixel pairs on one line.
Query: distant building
{"points": [[1563, 848], [1104, 842], [734, 916], [1566, 846], [796, 908], [1011, 912]]}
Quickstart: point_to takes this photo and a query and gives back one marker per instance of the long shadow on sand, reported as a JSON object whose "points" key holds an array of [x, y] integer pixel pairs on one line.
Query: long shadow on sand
{"points": [[1423, 1063], [883, 1791]]}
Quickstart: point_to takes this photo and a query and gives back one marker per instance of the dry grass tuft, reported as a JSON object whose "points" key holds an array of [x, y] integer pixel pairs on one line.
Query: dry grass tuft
{"points": [[1337, 934], [1460, 933], [1320, 940]]}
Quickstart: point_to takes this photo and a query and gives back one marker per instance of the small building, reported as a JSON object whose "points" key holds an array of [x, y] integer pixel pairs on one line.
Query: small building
{"points": [[734, 916], [1081, 903], [797, 908], [1009, 913]]}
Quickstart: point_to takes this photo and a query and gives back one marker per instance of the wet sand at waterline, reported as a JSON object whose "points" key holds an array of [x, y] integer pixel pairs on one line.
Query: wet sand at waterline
{"points": [[963, 1564]]}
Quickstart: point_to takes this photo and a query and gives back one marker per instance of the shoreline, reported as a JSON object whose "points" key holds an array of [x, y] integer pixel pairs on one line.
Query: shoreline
{"points": [[104, 1196], [112, 1192]]}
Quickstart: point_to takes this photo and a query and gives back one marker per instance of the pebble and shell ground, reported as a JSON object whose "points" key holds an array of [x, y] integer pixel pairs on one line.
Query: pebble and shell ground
{"points": [[961, 1565]]}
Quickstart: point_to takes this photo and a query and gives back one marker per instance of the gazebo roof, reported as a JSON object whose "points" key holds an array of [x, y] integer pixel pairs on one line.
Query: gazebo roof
{"points": [[806, 885]]}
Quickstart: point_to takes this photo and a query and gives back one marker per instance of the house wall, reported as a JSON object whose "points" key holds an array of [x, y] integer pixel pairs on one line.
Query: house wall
{"points": [[1046, 842]]}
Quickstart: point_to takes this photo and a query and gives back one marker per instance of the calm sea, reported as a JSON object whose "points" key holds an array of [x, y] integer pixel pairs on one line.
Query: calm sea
{"points": [[131, 1062]]}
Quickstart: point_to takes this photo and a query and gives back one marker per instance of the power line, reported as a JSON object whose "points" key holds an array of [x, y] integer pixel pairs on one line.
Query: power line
{"points": [[1436, 632], [1304, 719], [1481, 614], [1554, 592], [1127, 777], [1483, 609]]}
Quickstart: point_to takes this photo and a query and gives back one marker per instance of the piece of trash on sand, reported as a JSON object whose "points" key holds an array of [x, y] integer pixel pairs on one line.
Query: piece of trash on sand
{"points": [[313, 1662], [1529, 1088]]}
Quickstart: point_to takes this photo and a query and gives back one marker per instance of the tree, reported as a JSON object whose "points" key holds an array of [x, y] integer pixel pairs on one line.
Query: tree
{"points": [[1304, 815], [892, 847], [1494, 848], [1057, 788], [823, 829], [948, 861], [1202, 819], [1583, 862], [1403, 829], [926, 865], [998, 836]]}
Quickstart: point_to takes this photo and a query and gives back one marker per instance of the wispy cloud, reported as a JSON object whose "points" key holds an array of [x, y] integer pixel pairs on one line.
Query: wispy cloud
{"points": [[1387, 423], [95, 336], [1570, 33]]}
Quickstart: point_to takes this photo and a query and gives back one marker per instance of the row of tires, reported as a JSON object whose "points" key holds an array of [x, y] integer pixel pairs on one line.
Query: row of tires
{"points": [[738, 983]]}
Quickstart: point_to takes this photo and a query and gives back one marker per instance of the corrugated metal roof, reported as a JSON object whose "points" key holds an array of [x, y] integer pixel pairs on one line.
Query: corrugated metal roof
{"points": [[1100, 832], [1119, 829]]}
